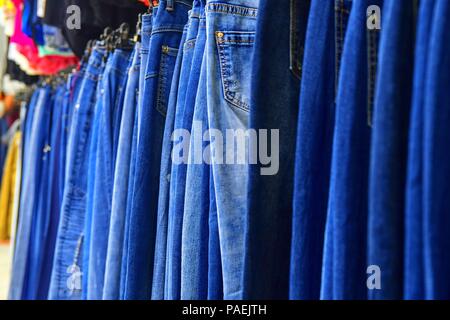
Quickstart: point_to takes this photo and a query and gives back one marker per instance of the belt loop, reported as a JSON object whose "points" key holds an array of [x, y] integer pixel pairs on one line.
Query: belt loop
{"points": [[170, 5]]}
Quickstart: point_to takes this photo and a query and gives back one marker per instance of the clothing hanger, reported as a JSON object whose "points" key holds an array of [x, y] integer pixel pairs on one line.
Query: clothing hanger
{"points": [[137, 36], [123, 42]]}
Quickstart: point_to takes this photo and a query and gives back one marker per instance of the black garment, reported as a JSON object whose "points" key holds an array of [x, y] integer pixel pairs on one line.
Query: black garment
{"points": [[15, 73], [96, 15]]}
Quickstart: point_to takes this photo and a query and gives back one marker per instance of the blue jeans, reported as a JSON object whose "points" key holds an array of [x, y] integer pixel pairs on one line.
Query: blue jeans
{"points": [[38, 122], [345, 249], [270, 196], [147, 25], [159, 269], [215, 274], [56, 184], [387, 176], [67, 267], [414, 286], [113, 92], [195, 233], [230, 33], [140, 237], [183, 120], [92, 158], [120, 182], [436, 159], [313, 154], [46, 218]]}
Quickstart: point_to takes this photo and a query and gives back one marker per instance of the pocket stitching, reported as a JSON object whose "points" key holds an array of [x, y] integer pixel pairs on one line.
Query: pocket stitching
{"points": [[224, 66]]}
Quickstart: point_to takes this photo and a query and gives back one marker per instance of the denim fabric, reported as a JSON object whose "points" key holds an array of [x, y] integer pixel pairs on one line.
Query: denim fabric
{"points": [[215, 274], [112, 94], [75, 88], [67, 267], [91, 171], [166, 36], [270, 196], [28, 122], [67, 105], [414, 286], [146, 37], [389, 148], [159, 269], [54, 195], [194, 237], [45, 220], [345, 249], [120, 182], [436, 159], [313, 152], [190, 70], [31, 182], [137, 125], [230, 36]]}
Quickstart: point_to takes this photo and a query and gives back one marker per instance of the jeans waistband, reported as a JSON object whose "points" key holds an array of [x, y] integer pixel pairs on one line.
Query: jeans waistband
{"points": [[135, 59], [147, 24], [240, 9], [94, 67], [170, 5], [119, 61]]}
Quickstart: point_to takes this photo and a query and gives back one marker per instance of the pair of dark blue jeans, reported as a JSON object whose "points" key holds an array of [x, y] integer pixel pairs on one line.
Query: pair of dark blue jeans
{"points": [[414, 285], [275, 94], [389, 146], [345, 247], [313, 150], [436, 219]]}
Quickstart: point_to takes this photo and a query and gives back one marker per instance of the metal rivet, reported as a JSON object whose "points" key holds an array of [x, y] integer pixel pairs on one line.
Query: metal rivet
{"points": [[219, 34]]}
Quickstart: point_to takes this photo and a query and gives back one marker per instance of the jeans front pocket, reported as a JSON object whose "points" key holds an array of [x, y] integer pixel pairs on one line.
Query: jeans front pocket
{"points": [[168, 58], [299, 12], [235, 51]]}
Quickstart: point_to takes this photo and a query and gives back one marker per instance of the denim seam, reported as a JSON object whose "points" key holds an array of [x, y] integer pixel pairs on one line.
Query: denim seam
{"points": [[151, 75], [372, 69], [295, 65], [225, 66], [340, 11], [161, 30], [232, 9], [163, 67], [161, 82]]}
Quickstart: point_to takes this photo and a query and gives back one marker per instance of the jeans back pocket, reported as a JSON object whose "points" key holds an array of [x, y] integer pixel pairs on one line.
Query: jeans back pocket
{"points": [[166, 69], [235, 51]]}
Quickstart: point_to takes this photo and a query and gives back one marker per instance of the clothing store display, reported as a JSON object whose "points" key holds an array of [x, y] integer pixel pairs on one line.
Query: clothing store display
{"points": [[225, 149]]}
